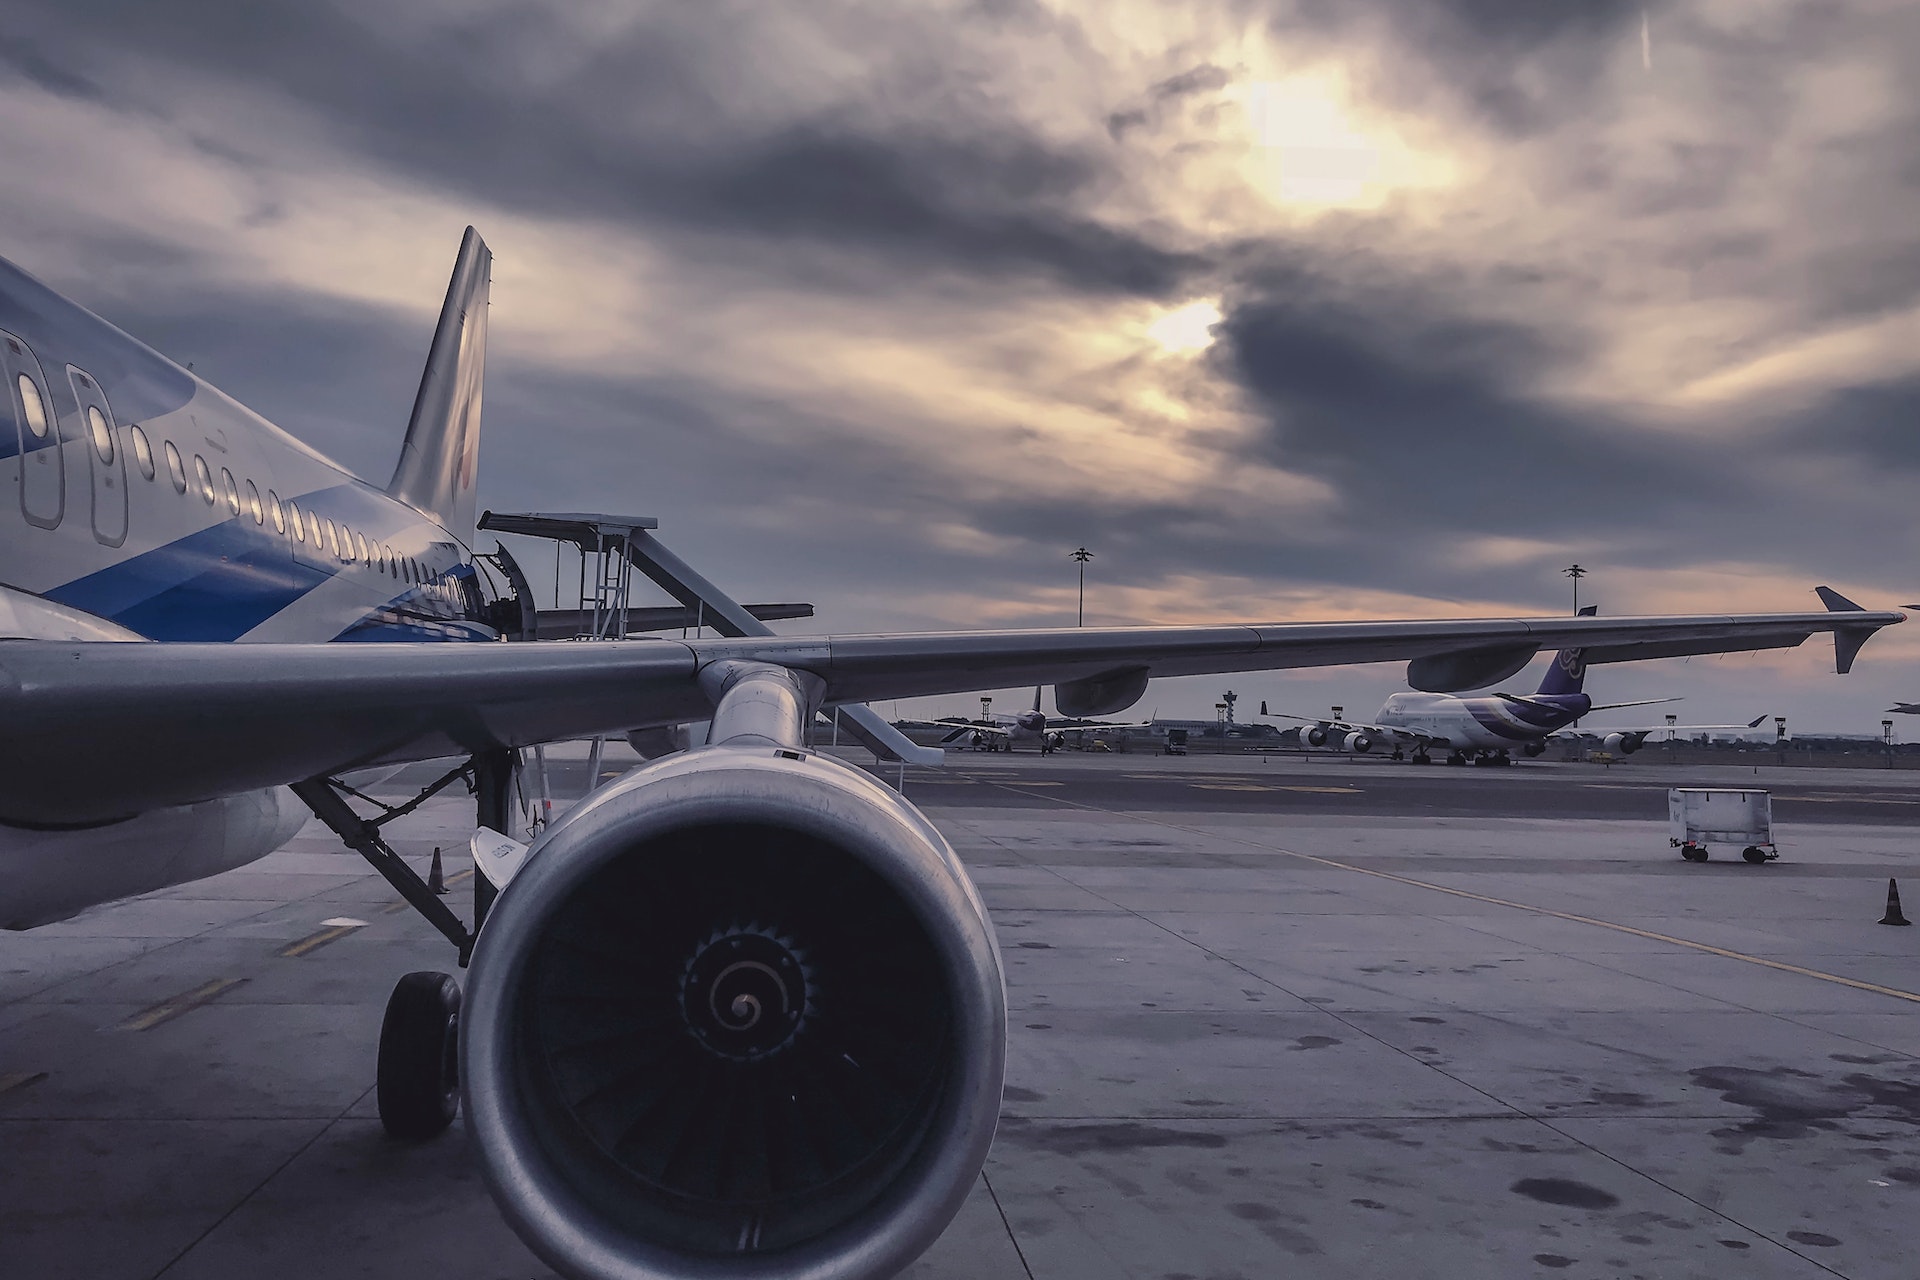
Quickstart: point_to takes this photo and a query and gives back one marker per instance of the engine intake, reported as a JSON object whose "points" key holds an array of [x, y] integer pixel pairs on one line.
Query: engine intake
{"points": [[740, 1014]]}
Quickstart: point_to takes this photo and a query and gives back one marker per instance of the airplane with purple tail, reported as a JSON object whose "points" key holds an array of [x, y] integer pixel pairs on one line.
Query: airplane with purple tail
{"points": [[1487, 730]]}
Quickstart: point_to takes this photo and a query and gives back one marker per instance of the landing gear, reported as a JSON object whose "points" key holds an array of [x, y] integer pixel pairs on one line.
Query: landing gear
{"points": [[417, 1075], [1456, 757], [417, 1081], [1421, 757], [1492, 759]]}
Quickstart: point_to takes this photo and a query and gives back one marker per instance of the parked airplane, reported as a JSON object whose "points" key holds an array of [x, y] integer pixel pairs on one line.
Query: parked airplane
{"points": [[1004, 733], [1486, 730], [739, 1013]]}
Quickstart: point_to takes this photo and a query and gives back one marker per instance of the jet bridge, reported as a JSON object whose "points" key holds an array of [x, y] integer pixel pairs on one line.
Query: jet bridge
{"points": [[612, 546]]}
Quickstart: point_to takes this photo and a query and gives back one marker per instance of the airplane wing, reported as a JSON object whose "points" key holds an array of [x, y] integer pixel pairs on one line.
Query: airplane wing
{"points": [[99, 730], [1601, 731]]}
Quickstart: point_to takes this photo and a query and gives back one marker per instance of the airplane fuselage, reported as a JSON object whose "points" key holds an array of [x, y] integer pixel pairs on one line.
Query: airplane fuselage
{"points": [[1482, 724], [138, 500]]}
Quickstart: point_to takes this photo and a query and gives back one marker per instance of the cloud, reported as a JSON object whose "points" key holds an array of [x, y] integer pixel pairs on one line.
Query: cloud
{"points": [[860, 297]]}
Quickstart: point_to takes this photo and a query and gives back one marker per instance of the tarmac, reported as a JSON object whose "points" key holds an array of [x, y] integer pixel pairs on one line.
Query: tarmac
{"points": [[1337, 1018]]}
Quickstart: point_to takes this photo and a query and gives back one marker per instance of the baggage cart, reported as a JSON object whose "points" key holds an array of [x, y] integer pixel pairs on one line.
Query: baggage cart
{"points": [[1699, 817]]}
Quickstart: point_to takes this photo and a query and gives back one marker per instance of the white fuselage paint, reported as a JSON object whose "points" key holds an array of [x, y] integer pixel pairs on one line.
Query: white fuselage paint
{"points": [[1452, 719]]}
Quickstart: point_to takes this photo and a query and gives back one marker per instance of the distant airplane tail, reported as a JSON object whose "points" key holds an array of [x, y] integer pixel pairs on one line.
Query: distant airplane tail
{"points": [[1568, 674], [438, 460]]}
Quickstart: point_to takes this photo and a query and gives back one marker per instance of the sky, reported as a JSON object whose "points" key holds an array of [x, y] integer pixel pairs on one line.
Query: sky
{"points": [[1300, 310]]}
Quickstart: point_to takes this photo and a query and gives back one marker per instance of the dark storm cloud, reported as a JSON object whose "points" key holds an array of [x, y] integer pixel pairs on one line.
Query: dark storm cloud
{"points": [[652, 126], [24, 58], [1427, 422]]}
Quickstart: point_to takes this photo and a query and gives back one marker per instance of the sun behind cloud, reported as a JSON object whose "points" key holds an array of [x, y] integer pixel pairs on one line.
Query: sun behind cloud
{"points": [[1188, 329]]}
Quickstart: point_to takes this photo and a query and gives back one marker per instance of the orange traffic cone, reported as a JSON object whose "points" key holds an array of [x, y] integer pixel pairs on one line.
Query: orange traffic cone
{"points": [[1893, 915], [436, 879]]}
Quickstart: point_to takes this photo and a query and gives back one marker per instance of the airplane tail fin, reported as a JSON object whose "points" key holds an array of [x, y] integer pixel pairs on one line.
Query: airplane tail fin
{"points": [[1568, 674], [437, 465]]}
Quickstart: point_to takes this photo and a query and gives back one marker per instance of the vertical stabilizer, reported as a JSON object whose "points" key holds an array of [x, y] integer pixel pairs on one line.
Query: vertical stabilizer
{"points": [[438, 461], [1568, 674]]}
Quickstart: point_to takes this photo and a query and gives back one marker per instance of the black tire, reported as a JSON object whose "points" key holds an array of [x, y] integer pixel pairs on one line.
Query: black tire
{"points": [[1754, 854], [1695, 853], [418, 1078]]}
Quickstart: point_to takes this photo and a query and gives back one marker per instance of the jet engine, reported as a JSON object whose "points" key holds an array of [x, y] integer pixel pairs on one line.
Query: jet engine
{"points": [[1357, 741], [1624, 743], [1316, 735], [740, 1013]]}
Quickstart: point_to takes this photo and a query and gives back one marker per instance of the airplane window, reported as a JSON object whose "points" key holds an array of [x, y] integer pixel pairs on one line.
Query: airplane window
{"points": [[232, 490], [253, 504], [279, 516], [313, 527], [360, 544], [142, 451], [36, 408], [333, 537], [102, 433], [176, 468], [204, 476]]}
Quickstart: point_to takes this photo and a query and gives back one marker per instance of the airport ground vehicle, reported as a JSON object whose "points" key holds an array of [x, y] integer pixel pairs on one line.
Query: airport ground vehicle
{"points": [[1176, 743], [1698, 818]]}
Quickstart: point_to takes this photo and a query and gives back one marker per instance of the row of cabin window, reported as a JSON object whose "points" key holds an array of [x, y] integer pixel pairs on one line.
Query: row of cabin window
{"points": [[287, 517], [343, 542]]}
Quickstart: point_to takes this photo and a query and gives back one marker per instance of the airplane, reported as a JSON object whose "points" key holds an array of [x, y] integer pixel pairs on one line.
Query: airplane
{"points": [[1486, 730], [1003, 733], [740, 1012]]}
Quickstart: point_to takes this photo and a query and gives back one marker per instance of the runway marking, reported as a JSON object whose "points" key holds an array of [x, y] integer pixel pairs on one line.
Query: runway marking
{"points": [[20, 1080], [1031, 784], [1780, 965], [1327, 791], [333, 932], [186, 1002], [1242, 786]]}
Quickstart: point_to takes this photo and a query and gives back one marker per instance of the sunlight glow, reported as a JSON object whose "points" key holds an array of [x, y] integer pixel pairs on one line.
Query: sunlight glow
{"points": [[1312, 150], [1186, 330]]}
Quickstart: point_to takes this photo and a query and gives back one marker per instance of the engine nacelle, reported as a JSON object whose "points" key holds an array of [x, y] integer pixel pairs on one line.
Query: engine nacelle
{"points": [[1316, 735], [740, 1013], [1623, 743], [1357, 742], [1533, 749]]}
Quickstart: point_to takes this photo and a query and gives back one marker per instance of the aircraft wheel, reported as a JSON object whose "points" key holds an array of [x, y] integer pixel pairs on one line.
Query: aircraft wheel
{"points": [[1456, 758], [418, 1079]]}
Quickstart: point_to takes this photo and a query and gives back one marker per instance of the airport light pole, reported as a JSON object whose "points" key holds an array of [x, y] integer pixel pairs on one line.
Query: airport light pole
{"points": [[1082, 555], [1780, 736], [1886, 736], [1576, 573]]}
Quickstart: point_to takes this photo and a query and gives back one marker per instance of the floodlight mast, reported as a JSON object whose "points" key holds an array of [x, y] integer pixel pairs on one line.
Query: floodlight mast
{"points": [[1082, 555]]}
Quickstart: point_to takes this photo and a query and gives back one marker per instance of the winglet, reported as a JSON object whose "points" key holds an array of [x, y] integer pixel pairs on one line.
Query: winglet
{"points": [[1846, 640]]}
